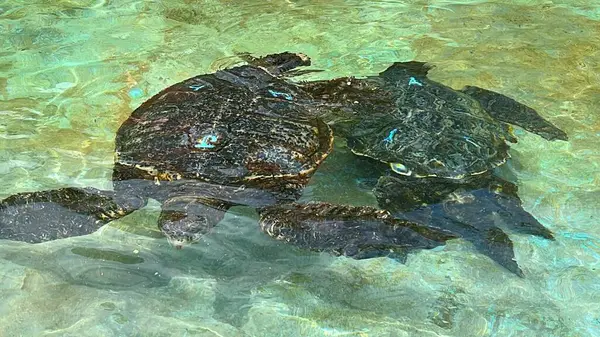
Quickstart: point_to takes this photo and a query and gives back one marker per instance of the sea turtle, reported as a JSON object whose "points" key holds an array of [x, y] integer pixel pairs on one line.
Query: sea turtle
{"points": [[240, 136], [441, 145], [423, 128]]}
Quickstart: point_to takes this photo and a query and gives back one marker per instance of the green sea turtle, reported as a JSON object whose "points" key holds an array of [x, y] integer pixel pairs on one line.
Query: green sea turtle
{"points": [[442, 146], [423, 128], [240, 136]]}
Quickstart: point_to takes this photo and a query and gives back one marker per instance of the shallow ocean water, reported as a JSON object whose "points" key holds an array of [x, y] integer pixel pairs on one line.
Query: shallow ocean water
{"points": [[72, 71]]}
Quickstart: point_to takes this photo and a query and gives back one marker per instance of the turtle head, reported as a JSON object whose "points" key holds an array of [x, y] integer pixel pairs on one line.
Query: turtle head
{"points": [[183, 229], [184, 220], [286, 61], [278, 64]]}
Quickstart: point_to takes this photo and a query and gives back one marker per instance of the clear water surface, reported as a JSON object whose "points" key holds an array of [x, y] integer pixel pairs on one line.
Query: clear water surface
{"points": [[72, 70]]}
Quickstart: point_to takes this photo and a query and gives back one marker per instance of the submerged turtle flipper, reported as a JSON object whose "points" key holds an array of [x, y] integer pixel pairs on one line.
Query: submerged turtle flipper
{"points": [[482, 207], [516, 218], [494, 243], [185, 219], [49, 215], [400, 195], [369, 252], [508, 110], [358, 232], [508, 206], [278, 64], [469, 209], [480, 201], [486, 238]]}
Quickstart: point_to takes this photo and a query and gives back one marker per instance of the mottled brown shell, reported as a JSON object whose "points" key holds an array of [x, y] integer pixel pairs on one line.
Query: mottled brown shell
{"points": [[240, 126]]}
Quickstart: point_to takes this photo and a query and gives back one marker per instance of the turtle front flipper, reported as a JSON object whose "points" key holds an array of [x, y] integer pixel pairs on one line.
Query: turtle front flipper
{"points": [[469, 209], [479, 202], [278, 64], [185, 219], [49, 215], [496, 202], [357, 232], [508, 206], [485, 237], [400, 195], [494, 243], [508, 110]]}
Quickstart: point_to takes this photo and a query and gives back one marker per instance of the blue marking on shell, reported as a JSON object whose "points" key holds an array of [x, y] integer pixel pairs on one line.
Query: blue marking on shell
{"points": [[136, 93], [205, 142], [413, 81], [196, 87], [390, 138], [281, 94]]}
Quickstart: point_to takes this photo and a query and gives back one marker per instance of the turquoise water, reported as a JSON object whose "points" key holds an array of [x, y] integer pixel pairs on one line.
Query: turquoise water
{"points": [[72, 71]]}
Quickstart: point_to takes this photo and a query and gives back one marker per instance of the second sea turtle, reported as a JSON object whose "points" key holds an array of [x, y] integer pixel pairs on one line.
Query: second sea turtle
{"points": [[441, 146]]}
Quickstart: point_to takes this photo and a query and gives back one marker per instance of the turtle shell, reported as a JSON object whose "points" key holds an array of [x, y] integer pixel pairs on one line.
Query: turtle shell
{"points": [[240, 126], [426, 129]]}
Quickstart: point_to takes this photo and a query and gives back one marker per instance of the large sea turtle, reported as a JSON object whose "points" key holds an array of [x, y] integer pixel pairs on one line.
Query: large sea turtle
{"points": [[442, 146], [240, 136]]}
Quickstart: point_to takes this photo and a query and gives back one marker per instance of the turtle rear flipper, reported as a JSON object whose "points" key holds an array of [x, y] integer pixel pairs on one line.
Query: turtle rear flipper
{"points": [[508, 110], [54, 214], [505, 203], [185, 219], [278, 64], [358, 232]]}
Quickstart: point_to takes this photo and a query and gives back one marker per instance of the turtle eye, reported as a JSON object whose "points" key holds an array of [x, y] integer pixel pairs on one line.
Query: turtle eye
{"points": [[400, 169]]}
